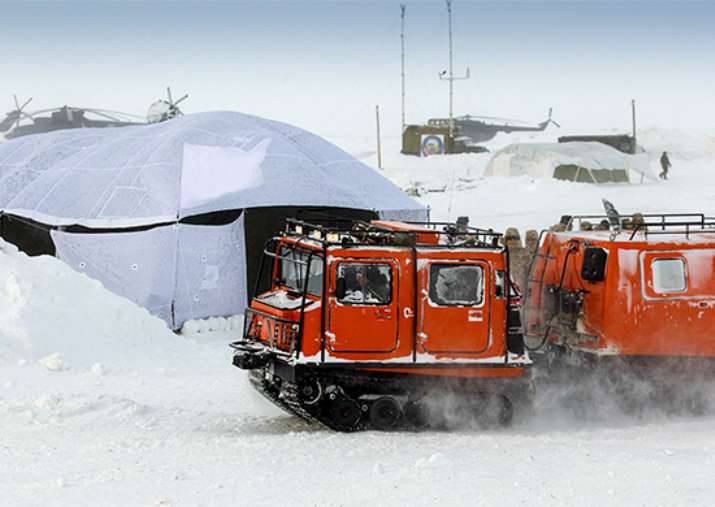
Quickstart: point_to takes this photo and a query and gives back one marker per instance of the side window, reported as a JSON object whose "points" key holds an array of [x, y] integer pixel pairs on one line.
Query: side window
{"points": [[456, 284], [365, 283], [499, 284], [668, 275]]}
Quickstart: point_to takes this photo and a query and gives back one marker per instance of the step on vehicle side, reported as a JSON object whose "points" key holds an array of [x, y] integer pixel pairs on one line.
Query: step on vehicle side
{"points": [[636, 297], [387, 325]]}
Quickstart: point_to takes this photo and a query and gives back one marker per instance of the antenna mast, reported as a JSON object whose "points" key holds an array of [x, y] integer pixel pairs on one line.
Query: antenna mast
{"points": [[451, 77], [633, 119], [403, 7]]}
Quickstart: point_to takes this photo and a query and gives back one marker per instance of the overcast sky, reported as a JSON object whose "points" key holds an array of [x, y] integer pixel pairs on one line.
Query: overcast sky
{"points": [[323, 65]]}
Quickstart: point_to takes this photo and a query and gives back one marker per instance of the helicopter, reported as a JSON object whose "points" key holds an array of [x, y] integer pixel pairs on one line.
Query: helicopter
{"points": [[435, 137], [480, 129], [20, 122]]}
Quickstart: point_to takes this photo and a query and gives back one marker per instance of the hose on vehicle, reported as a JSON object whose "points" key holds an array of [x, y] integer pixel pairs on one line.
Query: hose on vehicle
{"points": [[541, 344]]}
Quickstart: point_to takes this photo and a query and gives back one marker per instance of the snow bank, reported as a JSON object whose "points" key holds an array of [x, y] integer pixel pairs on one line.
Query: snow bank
{"points": [[50, 312]]}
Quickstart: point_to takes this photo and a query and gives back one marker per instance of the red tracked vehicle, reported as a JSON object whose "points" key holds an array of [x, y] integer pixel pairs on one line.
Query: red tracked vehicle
{"points": [[387, 325], [636, 298]]}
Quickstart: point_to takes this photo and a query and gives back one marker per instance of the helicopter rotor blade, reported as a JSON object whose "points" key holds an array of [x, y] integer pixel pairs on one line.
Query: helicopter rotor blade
{"points": [[168, 93], [19, 111], [497, 118], [181, 99]]}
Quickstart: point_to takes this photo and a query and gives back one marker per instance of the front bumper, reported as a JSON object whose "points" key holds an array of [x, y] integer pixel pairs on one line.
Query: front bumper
{"points": [[250, 355]]}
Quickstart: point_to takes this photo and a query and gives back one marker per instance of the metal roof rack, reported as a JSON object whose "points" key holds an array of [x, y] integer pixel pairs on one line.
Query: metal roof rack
{"points": [[652, 223], [359, 232]]}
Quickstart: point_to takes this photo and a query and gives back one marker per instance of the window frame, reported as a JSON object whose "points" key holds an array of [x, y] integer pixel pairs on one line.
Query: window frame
{"points": [[482, 292], [366, 263]]}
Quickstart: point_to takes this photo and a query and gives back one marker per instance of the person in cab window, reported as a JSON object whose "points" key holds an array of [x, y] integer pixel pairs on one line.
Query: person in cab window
{"points": [[366, 286]]}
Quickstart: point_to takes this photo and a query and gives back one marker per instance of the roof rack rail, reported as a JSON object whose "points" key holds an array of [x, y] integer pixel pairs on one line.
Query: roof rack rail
{"points": [[652, 223], [387, 233]]}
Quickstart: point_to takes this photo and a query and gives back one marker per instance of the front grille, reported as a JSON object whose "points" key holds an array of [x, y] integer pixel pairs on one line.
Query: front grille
{"points": [[277, 332]]}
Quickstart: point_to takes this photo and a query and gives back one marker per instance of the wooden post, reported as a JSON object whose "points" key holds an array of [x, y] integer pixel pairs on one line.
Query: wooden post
{"points": [[379, 147]]}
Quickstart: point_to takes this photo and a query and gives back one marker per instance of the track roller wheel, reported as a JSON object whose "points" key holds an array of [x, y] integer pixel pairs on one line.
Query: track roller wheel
{"points": [[385, 413], [344, 413], [416, 414], [497, 411], [311, 392]]}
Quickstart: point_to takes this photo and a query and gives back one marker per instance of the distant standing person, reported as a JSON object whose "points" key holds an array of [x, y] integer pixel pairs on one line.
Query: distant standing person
{"points": [[665, 164]]}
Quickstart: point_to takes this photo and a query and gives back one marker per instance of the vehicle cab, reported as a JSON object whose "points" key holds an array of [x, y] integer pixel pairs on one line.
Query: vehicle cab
{"points": [[384, 300]]}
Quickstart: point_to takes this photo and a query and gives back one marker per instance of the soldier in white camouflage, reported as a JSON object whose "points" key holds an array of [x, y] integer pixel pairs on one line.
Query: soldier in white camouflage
{"points": [[519, 257]]}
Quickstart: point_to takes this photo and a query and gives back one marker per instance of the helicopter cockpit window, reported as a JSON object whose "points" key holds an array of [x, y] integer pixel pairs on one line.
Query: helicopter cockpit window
{"points": [[365, 283]]}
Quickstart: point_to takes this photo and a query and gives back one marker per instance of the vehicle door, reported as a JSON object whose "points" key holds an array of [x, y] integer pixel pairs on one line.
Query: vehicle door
{"points": [[363, 313], [454, 312]]}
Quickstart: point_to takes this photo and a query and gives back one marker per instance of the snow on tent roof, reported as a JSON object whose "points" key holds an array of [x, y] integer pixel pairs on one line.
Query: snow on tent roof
{"points": [[194, 164], [540, 160]]}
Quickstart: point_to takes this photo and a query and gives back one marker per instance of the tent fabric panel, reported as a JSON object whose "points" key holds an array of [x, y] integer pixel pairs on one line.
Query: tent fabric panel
{"points": [[140, 266], [565, 172], [211, 271], [405, 215]]}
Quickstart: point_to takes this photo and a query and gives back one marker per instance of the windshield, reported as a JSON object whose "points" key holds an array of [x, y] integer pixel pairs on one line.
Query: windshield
{"points": [[293, 266]]}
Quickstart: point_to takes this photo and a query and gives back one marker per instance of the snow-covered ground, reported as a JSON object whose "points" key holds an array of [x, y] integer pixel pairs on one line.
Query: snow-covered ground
{"points": [[101, 405]]}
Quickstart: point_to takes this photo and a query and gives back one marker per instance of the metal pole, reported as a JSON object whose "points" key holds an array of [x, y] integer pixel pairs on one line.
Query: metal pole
{"points": [[379, 147], [451, 70], [403, 7], [633, 114], [450, 77]]}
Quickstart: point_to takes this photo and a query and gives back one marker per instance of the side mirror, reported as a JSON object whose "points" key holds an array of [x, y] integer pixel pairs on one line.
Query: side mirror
{"points": [[593, 268], [340, 288]]}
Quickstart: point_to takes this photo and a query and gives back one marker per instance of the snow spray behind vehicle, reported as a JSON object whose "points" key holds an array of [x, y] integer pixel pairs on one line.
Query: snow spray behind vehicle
{"points": [[365, 324]]}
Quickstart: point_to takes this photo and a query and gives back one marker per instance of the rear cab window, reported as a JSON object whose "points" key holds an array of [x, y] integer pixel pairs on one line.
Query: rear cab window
{"points": [[456, 284]]}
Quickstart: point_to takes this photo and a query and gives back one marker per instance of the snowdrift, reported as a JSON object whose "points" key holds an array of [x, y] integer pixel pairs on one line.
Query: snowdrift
{"points": [[46, 308]]}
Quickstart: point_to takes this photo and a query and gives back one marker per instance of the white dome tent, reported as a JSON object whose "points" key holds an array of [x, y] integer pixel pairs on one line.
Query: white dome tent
{"points": [[158, 213], [586, 162]]}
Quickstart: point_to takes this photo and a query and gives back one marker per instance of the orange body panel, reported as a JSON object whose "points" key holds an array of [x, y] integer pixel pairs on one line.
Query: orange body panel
{"points": [[410, 328], [657, 296]]}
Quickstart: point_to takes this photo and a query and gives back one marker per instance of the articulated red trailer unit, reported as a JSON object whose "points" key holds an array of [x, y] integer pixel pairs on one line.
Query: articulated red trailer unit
{"points": [[636, 297]]}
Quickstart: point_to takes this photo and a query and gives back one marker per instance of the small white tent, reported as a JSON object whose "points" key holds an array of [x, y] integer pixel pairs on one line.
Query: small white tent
{"points": [[158, 213], [588, 162]]}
